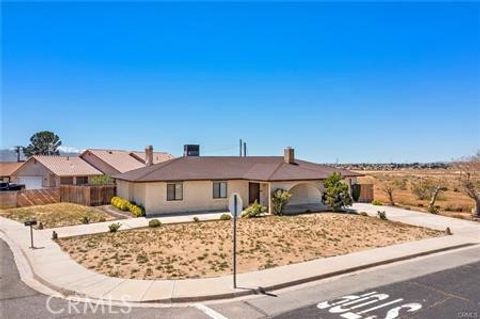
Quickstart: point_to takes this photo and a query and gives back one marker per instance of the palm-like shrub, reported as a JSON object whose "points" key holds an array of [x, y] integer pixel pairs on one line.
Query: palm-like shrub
{"points": [[280, 198]]}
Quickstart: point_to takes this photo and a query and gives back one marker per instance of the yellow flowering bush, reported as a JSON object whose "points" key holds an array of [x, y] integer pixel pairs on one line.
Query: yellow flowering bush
{"points": [[126, 205]]}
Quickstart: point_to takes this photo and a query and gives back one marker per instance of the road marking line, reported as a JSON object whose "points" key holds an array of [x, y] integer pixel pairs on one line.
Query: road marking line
{"points": [[209, 311], [380, 306]]}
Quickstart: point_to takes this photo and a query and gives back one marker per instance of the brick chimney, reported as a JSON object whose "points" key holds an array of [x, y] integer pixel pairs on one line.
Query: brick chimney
{"points": [[289, 155], [149, 155]]}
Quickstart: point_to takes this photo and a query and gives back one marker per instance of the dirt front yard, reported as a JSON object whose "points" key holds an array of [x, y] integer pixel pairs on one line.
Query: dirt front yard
{"points": [[203, 249], [56, 215]]}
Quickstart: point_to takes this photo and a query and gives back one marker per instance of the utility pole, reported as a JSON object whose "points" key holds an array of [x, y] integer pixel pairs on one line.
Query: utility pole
{"points": [[245, 149], [241, 144], [17, 150], [235, 212]]}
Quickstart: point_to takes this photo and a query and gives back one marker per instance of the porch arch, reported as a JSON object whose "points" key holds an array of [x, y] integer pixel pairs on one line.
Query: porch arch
{"points": [[305, 193]]}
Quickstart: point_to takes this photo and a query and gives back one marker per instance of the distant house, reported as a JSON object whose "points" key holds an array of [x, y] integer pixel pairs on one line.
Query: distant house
{"points": [[196, 183], [112, 162], [49, 171], [7, 169]]}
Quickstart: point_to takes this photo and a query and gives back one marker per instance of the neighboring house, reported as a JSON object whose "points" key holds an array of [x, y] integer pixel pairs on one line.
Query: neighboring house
{"points": [[7, 169], [195, 183], [112, 162], [41, 171]]}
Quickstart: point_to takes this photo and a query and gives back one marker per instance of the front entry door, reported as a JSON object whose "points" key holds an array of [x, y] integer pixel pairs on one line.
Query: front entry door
{"points": [[253, 192]]}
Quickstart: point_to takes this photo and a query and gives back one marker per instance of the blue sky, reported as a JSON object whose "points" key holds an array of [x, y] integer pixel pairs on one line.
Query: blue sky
{"points": [[347, 81]]}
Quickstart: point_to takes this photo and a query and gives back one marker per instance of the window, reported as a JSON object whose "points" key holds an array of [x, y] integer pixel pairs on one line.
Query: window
{"points": [[82, 180], [220, 190], [66, 180], [175, 191]]}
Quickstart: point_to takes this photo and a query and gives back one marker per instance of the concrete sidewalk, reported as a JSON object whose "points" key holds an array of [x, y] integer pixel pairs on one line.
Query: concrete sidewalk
{"points": [[129, 223], [457, 226], [54, 268]]}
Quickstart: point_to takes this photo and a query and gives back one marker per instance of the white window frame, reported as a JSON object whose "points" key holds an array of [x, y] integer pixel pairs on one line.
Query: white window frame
{"points": [[220, 183]]}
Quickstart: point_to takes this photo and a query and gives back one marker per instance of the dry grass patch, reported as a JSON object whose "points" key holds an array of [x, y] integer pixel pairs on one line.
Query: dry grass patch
{"points": [[56, 215], [194, 250], [452, 202]]}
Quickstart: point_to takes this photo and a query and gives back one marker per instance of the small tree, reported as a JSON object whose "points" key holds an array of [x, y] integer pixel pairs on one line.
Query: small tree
{"points": [[424, 188], [431, 206], [280, 198], [389, 189], [337, 194], [43, 143], [469, 179]]}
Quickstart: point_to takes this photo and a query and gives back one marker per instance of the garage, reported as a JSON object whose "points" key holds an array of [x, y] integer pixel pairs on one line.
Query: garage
{"points": [[30, 182]]}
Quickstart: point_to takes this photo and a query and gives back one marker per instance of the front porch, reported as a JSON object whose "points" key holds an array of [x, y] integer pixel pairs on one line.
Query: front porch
{"points": [[306, 195]]}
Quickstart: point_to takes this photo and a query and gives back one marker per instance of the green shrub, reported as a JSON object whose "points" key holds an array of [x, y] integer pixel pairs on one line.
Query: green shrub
{"points": [[154, 223], [101, 180], [382, 215], [356, 188], [196, 219], [377, 202], [280, 198], [337, 193], [114, 227], [225, 217], [85, 220], [363, 214], [254, 210]]}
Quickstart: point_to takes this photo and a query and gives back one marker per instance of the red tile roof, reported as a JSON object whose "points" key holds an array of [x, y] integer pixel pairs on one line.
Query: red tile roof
{"points": [[124, 161], [7, 168], [260, 168], [65, 165]]}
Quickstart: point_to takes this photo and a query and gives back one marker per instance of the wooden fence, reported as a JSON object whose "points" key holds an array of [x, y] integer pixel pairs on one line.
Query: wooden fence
{"points": [[22, 198], [90, 195], [366, 193]]}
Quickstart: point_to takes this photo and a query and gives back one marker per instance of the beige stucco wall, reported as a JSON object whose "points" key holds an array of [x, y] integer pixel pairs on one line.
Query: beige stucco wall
{"points": [[307, 192], [197, 196], [34, 168]]}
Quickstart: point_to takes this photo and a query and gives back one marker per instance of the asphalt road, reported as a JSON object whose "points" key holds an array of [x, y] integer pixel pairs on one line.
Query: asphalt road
{"points": [[453, 293], [17, 300]]}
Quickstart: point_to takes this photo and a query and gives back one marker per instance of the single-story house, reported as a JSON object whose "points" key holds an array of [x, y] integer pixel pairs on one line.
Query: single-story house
{"points": [[197, 183], [112, 162], [41, 171], [7, 169]]}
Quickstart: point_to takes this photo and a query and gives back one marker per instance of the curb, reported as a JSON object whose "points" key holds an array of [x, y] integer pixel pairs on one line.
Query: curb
{"points": [[28, 276]]}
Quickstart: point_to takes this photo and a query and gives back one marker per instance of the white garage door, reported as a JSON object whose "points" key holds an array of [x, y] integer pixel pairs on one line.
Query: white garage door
{"points": [[31, 182]]}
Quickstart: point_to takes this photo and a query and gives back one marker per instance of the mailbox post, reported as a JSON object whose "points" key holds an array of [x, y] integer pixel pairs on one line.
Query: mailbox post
{"points": [[31, 223]]}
